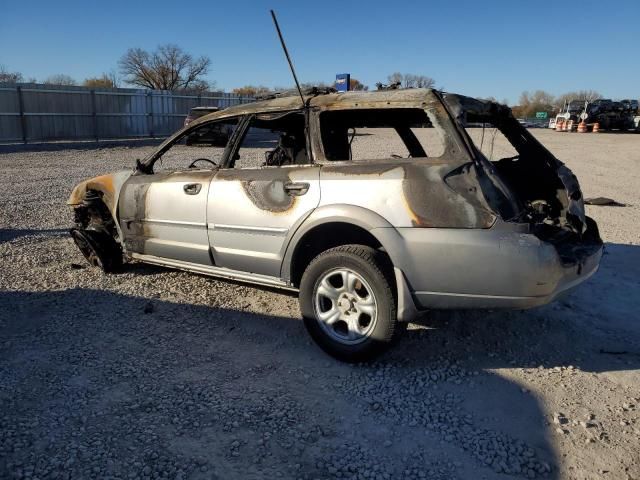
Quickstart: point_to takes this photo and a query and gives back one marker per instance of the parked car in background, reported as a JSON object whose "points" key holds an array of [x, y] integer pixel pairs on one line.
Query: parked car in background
{"points": [[197, 112], [215, 135], [371, 206]]}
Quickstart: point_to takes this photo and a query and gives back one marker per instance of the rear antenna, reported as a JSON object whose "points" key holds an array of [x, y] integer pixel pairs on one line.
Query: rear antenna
{"points": [[286, 52]]}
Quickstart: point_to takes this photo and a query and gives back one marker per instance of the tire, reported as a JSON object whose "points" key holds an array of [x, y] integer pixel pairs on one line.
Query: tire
{"points": [[348, 303], [99, 248]]}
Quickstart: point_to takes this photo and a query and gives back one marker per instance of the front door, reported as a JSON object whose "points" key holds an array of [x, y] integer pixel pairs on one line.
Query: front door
{"points": [[267, 188], [164, 213]]}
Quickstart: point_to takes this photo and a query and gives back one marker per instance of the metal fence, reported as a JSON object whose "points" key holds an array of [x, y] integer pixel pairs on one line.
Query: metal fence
{"points": [[37, 113]]}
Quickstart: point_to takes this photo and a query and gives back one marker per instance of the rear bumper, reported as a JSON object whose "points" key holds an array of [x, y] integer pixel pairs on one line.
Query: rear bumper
{"points": [[494, 268], [570, 278]]}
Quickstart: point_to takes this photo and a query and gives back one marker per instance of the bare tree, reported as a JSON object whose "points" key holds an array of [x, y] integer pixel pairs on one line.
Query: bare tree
{"points": [[422, 81], [252, 90], [588, 95], [411, 80], [106, 80], [9, 77], [59, 79], [395, 77], [167, 68], [321, 85]]}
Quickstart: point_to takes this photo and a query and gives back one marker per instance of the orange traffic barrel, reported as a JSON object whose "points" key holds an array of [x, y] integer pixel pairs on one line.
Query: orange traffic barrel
{"points": [[559, 123], [582, 127], [596, 127], [569, 126]]}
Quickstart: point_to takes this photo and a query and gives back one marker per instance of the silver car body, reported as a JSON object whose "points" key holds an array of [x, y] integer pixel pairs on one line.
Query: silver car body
{"points": [[438, 219]]}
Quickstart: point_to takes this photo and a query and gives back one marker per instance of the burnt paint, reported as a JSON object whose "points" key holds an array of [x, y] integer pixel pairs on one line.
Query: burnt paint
{"points": [[134, 208], [265, 187], [433, 203], [269, 196], [437, 192], [132, 211]]}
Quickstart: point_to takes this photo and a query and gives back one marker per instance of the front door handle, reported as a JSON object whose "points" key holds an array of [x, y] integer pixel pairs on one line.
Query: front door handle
{"points": [[296, 188], [192, 188]]}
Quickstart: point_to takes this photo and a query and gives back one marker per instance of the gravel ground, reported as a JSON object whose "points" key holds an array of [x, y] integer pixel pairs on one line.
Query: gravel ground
{"points": [[153, 373]]}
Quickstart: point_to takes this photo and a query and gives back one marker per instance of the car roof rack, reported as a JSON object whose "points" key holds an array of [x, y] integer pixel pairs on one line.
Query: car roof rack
{"points": [[311, 91]]}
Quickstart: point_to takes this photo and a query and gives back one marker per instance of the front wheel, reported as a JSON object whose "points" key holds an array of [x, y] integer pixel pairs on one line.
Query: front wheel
{"points": [[99, 248], [347, 302]]}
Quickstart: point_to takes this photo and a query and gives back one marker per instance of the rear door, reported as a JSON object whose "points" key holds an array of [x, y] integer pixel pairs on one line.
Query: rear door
{"points": [[267, 188]]}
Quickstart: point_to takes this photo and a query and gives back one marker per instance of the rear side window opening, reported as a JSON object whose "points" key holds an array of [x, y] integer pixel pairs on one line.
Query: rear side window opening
{"points": [[372, 134]]}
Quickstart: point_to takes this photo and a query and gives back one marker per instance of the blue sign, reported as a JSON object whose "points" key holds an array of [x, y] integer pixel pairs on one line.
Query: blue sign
{"points": [[342, 82]]}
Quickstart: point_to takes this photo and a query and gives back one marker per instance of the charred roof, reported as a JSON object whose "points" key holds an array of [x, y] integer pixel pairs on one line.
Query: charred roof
{"points": [[289, 101]]}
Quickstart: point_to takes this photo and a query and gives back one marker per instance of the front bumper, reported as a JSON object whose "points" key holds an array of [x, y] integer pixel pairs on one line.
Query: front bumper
{"points": [[493, 268]]}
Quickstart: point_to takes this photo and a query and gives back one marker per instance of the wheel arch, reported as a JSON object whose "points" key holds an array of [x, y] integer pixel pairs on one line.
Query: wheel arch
{"points": [[108, 187], [350, 220], [366, 227]]}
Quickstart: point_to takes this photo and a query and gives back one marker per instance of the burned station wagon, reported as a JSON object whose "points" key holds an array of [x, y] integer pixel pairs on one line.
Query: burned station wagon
{"points": [[373, 206]]}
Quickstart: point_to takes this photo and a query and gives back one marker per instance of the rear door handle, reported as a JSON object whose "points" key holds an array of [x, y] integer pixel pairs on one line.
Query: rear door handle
{"points": [[296, 188], [192, 188]]}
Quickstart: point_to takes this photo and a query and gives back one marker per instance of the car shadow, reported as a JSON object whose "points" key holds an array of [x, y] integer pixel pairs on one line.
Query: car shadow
{"points": [[10, 234], [148, 360], [589, 328], [118, 352]]}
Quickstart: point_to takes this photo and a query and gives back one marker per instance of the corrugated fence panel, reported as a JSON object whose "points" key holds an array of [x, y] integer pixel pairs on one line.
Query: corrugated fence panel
{"points": [[55, 112], [122, 113], [9, 115]]}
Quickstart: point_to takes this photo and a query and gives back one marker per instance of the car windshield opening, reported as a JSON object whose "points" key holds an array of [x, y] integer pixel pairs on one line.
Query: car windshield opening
{"points": [[206, 143]]}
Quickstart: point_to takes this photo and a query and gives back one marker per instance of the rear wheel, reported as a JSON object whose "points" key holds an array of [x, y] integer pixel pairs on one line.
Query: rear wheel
{"points": [[347, 302]]}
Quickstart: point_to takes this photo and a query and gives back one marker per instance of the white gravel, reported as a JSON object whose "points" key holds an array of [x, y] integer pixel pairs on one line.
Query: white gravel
{"points": [[153, 373]]}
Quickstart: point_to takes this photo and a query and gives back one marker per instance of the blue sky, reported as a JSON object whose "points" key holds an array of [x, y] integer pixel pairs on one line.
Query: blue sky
{"points": [[478, 48]]}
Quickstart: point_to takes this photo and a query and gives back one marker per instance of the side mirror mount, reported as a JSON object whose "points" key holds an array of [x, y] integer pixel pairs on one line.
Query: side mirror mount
{"points": [[141, 167]]}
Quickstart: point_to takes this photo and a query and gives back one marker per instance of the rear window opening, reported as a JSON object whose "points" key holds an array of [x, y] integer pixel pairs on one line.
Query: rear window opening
{"points": [[372, 134], [489, 140], [530, 174]]}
